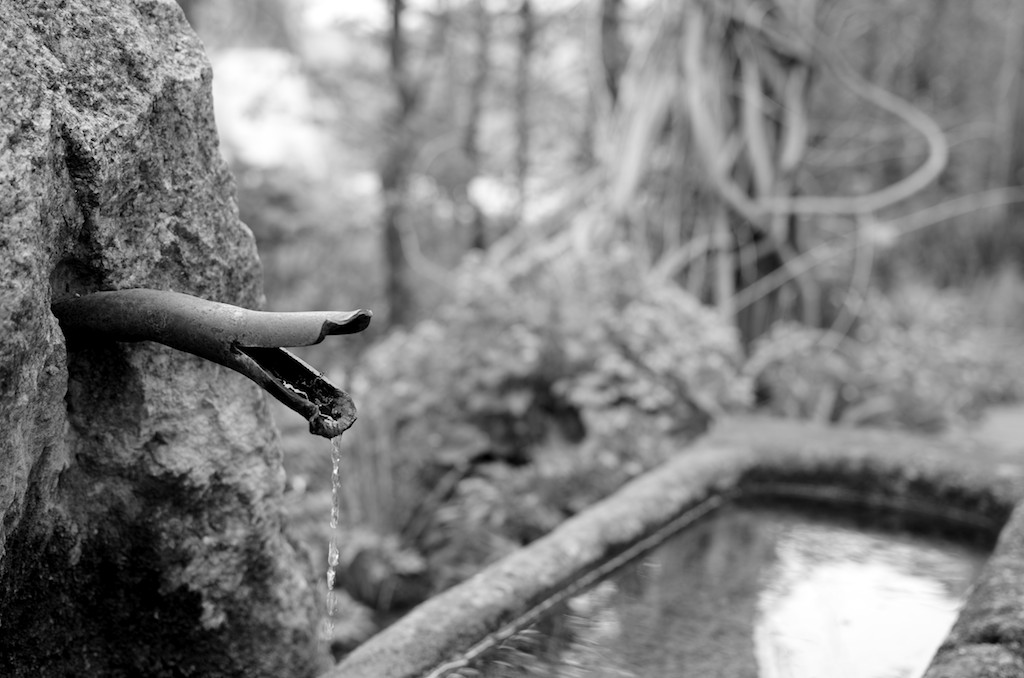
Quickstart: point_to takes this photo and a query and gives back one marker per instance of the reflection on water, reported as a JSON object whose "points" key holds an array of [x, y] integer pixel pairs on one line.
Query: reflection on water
{"points": [[756, 593]]}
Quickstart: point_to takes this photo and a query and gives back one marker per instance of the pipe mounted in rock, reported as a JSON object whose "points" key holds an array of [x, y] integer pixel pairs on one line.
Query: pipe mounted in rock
{"points": [[249, 342]]}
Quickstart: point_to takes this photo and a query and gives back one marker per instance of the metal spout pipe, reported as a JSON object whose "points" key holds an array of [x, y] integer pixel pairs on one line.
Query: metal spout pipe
{"points": [[249, 342]]}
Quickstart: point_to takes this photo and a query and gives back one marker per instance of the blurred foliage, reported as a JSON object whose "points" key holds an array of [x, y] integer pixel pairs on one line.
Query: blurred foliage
{"points": [[539, 381], [582, 344], [960, 62], [316, 242], [525, 398], [917, 360]]}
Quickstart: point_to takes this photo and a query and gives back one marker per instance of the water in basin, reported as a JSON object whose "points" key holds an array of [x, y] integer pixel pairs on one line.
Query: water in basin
{"points": [[756, 592]]}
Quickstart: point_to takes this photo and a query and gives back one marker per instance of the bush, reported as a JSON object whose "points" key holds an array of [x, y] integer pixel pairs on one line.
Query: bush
{"points": [[917, 360], [583, 346], [576, 375]]}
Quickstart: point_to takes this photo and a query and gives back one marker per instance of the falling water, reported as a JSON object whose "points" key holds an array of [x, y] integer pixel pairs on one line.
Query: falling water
{"points": [[332, 549]]}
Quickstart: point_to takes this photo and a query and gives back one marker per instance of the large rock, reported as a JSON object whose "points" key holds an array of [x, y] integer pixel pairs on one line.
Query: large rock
{"points": [[139, 486]]}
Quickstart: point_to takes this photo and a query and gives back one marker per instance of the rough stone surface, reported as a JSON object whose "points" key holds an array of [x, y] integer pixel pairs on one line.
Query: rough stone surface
{"points": [[139, 486], [988, 637], [977, 661]]}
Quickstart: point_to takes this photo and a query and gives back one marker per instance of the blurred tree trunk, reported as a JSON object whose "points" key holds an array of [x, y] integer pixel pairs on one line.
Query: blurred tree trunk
{"points": [[1010, 113], [394, 176], [471, 212], [613, 48], [585, 155], [613, 55], [928, 54], [708, 128], [522, 103]]}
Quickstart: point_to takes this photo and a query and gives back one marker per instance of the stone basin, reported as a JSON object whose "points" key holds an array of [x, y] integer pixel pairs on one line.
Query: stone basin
{"points": [[883, 478], [755, 589]]}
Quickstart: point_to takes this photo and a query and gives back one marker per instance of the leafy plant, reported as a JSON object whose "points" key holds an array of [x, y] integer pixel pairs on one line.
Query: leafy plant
{"points": [[572, 376], [916, 360]]}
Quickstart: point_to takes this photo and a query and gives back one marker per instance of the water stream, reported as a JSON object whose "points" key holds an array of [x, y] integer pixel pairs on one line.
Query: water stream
{"points": [[332, 548], [756, 592]]}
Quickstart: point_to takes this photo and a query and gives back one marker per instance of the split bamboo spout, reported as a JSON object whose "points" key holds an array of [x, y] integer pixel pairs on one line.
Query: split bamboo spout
{"points": [[249, 342]]}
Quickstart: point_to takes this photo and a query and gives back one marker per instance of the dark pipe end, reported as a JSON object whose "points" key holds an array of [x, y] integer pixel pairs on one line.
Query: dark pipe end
{"points": [[339, 418], [350, 323], [328, 409]]}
